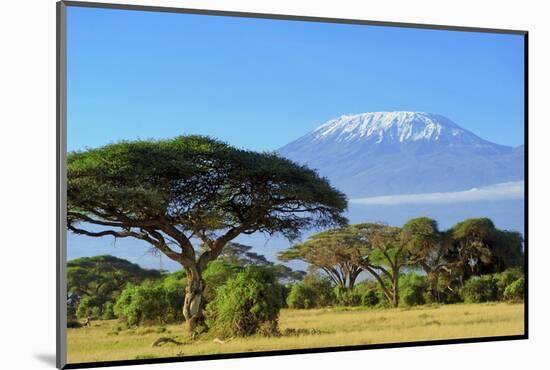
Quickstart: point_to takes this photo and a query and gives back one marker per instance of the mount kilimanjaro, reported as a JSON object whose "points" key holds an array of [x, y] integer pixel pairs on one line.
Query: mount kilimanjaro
{"points": [[388, 153]]}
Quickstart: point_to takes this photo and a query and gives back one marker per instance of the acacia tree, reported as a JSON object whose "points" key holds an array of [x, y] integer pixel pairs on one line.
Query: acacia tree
{"points": [[242, 255], [332, 252], [175, 194], [383, 255], [426, 248], [345, 252], [478, 247], [471, 248]]}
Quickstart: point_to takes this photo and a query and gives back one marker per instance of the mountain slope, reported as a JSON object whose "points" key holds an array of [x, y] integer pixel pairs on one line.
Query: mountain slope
{"points": [[385, 153]]}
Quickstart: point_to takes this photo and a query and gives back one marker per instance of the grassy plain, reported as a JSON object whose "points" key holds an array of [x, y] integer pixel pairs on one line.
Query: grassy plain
{"points": [[109, 340]]}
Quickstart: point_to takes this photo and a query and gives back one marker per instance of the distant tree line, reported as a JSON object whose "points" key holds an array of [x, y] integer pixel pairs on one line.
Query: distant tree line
{"points": [[413, 265], [453, 263]]}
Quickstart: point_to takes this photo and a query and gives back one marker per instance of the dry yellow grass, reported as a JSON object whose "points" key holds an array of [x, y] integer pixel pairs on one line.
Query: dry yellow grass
{"points": [[338, 327]]}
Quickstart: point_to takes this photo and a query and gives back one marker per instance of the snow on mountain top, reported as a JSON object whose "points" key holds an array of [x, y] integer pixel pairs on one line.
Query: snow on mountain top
{"points": [[395, 126]]}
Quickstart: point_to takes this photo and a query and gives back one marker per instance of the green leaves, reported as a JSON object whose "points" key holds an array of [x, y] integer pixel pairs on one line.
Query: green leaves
{"points": [[246, 304], [194, 186]]}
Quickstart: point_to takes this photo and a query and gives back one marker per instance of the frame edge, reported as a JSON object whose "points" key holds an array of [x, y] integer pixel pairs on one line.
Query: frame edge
{"points": [[61, 149]]}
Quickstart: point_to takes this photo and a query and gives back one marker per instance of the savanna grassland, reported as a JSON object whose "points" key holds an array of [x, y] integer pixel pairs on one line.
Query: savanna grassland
{"points": [[328, 327]]}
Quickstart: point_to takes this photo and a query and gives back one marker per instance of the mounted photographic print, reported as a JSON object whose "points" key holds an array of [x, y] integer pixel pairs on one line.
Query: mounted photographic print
{"points": [[238, 184]]}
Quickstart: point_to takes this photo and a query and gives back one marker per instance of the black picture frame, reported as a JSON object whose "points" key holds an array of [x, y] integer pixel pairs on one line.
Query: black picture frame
{"points": [[61, 255]]}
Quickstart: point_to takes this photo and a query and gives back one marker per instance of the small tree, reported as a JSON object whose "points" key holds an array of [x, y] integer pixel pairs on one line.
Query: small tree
{"points": [[471, 248], [413, 287], [315, 291], [170, 193], [247, 304], [332, 252], [426, 248], [383, 255]]}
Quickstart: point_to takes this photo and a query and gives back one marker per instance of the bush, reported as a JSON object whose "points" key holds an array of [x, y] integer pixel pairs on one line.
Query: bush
{"points": [[150, 302], [89, 307], [301, 296], [479, 289], [370, 298], [108, 311], [322, 286], [347, 297], [412, 289], [504, 279], [315, 291], [246, 304], [516, 290], [215, 275]]}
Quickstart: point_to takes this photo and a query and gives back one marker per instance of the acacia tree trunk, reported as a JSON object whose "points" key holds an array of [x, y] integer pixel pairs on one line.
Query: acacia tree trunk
{"points": [[395, 295], [193, 303]]}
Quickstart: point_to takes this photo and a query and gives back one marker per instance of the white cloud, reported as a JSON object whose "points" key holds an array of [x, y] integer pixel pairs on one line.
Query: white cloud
{"points": [[502, 191]]}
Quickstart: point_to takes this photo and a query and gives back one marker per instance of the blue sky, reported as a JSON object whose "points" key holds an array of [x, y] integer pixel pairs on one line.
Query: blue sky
{"points": [[260, 84]]}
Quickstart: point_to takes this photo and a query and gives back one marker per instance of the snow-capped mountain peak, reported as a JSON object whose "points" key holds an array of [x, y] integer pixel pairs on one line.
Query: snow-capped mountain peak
{"points": [[391, 126], [385, 153]]}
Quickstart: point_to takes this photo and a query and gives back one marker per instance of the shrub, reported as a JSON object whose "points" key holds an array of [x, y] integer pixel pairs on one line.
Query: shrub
{"points": [[314, 291], [215, 275], [479, 289], [247, 303], [347, 297], [108, 311], [150, 302], [322, 287], [301, 296], [89, 307], [412, 289], [370, 298], [516, 290], [504, 279]]}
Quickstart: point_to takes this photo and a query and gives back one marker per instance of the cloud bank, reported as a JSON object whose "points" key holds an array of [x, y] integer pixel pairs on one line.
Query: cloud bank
{"points": [[502, 191]]}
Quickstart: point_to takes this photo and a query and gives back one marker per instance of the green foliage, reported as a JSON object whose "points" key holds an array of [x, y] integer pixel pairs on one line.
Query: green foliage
{"points": [[505, 278], [315, 291], [478, 247], [94, 284], [151, 302], [370, 298], [515, 291], [247, 304], [347, 297], [479, 289], [301, 296], [323, 288], [195, 178], [242, 255], [333, 252], [89, 307], [217, 273], [108, 311], [412, 289]]}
